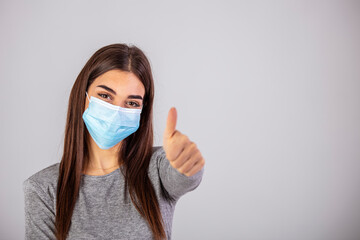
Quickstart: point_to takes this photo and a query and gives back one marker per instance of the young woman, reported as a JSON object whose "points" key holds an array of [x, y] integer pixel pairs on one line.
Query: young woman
{"points": [[112, 183]]}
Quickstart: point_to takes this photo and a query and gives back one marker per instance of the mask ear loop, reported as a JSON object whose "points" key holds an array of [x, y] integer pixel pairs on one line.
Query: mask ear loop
{"points": [[87, 96]]}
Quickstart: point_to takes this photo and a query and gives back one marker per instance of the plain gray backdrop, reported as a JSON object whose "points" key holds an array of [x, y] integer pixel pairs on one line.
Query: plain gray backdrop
{"points": [[269, 91]]}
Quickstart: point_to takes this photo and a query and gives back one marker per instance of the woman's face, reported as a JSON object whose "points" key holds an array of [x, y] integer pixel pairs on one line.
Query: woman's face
{"points": [[119, 88]]}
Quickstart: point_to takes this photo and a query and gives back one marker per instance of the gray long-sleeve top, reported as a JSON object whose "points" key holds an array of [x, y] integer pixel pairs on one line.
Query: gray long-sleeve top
{"points": [[101, 211]]}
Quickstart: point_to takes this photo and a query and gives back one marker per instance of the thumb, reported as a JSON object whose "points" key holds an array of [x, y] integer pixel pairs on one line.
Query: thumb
{"points": [[170, 123]]}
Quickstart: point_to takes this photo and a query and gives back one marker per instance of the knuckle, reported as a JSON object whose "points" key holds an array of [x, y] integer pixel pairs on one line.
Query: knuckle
{"points": [[192, 146], [176, 165]]}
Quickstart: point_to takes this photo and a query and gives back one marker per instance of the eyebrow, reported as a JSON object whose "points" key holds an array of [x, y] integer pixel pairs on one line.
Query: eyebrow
{"points": [[113, 92], [135, 97]]}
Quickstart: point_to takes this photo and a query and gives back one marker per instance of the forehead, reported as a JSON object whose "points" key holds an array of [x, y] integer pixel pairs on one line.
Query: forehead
{"points": [[121, 81]]}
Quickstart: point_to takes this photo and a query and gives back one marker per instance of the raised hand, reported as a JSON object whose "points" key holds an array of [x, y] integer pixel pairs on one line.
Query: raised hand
{"points": [[182, 153]]}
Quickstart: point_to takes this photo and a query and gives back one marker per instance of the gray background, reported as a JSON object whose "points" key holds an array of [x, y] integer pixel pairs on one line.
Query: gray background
{"points": [[269, 90]]}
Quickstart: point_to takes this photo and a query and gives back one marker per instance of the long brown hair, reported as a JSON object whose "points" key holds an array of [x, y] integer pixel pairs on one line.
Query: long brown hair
{"points": [[135, 151]]}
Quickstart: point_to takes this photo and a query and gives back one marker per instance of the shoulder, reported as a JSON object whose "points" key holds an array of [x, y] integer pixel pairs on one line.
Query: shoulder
{"points": [[47, 175], [157, 150], [158, 154], [44, 180]]}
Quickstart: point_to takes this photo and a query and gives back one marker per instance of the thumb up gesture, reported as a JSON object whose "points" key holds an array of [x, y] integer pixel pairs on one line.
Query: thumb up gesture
{"points": [[182, 153]]}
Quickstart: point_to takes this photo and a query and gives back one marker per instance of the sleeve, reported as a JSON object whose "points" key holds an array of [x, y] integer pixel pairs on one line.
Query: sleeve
{"points": [[39, 213], [174, 182]]}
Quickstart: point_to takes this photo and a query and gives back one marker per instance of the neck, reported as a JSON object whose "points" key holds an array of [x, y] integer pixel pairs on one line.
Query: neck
{"points": [[102, 161]]}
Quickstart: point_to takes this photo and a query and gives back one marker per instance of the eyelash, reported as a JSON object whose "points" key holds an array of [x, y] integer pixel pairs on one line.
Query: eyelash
{"points": [[102, 94]]}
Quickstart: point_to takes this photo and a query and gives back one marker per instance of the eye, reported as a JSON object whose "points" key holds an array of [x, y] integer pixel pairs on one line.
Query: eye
{"points": [[104, 95], [134, 104]]}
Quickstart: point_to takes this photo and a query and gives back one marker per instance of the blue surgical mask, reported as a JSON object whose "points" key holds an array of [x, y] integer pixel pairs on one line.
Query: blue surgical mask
{"points": [[108, 124]]}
